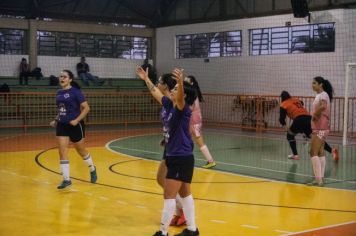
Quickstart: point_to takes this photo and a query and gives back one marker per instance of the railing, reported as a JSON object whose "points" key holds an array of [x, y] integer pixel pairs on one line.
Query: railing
{"points": [[259, 113]]}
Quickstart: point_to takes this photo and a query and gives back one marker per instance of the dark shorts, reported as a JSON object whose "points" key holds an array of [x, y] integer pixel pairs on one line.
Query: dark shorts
{"points": [[301, 124], [180, 168], [75, 133]]}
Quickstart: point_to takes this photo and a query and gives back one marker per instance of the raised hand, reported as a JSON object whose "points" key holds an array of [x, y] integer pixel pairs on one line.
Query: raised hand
{"points": [[178, 75], [141, 73]]}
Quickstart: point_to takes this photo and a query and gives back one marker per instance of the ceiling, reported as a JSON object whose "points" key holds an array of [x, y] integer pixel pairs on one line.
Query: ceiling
{"points": [[146, 12], [155, 13]]}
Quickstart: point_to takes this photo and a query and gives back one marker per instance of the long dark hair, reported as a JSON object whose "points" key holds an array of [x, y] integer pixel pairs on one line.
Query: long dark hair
{"points": [[195, 85], [190, 93], [168, 80], [285, 95], [71, 76], [327, 87]]}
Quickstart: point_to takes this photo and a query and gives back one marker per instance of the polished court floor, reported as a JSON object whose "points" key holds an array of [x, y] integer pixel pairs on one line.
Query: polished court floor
{"points": [[254, 189]]}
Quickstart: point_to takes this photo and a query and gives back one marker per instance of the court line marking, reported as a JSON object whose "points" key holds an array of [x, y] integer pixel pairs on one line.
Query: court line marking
{"points": [[282, 231], [121, 202], [219, 221], [285, 162], [111, 168], [228, 164], [37, 157], [250, 226], [324, 227], [220, 171]]}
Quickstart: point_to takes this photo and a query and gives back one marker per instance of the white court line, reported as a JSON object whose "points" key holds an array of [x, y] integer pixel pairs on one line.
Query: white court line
{"points": [[88, 193], [138, 150], [121, 202], [223, 163], [325, 227], [250, 226], [282, 231], [220, 171], [219, 221], [285, 162]]}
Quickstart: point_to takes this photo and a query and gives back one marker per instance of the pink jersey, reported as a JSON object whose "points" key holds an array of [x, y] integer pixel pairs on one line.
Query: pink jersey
{"points": [[323, 123], [196, 113]]}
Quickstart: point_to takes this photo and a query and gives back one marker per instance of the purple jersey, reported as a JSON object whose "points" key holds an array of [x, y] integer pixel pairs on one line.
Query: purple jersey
{"points": [[68, 103], [179, 140], [164, 115]]}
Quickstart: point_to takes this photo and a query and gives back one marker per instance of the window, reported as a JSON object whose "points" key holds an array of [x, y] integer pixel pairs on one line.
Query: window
{"points": [[13, 41], [46, 43], [67, 44], [86, 45], [293, 39], [220, 44], [105, 46]]}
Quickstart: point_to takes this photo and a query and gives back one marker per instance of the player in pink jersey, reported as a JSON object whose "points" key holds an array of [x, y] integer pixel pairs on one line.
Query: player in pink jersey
{"points": [[321, 126], [196, 123]]}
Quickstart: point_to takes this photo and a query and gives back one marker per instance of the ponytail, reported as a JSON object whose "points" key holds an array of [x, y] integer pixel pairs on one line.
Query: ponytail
{"points": [[195, 84], [74, 84], [328, 88]]}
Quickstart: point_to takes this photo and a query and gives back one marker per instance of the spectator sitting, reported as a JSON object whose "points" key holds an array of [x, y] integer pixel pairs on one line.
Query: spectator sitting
{"points": [[37, 72], [151, 71], [24, 71], [85, 76]]}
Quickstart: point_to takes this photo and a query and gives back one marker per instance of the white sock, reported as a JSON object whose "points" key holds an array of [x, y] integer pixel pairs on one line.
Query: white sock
{"points": [[323, 164], [316, 167], [65, 169], [205, 150], [89, 161], [167, 214], [179, 205], [189, 212]]}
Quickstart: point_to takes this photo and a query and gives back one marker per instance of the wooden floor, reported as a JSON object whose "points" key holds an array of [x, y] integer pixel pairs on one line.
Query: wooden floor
{"points": [[127, 201]]}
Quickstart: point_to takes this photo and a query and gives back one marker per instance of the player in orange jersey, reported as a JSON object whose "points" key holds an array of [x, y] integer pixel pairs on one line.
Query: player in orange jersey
{"points": [[294, 109]]}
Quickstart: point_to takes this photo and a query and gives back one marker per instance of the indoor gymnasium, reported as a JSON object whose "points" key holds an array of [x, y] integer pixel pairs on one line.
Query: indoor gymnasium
{"points": [[178, 117]]}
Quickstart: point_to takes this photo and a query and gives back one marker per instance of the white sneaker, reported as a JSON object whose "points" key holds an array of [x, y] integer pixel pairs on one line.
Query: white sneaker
{"points": [[293, 157]]}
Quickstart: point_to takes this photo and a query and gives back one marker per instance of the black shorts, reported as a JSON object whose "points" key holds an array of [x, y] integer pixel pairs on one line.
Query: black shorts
{"points": [[180, 168], [301, 124], [75, 133]]}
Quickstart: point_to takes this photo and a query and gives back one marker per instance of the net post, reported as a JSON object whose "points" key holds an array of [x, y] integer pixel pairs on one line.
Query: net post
{"points": [[346, 99]]}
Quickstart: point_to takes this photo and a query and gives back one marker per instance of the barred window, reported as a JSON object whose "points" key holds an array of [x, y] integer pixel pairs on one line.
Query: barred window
{"points": [[67, 44], [13, 41], [46, 43], [105, 46], [293, 39], [219, 44], [86, 45]]}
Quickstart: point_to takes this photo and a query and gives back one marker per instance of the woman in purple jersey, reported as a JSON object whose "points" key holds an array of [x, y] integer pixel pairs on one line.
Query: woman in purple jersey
{"points": [[179, 151], [72, 109], [165, 84]]}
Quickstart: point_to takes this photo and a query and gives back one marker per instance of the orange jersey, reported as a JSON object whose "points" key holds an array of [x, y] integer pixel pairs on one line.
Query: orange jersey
{"points": [[294, 108]]}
